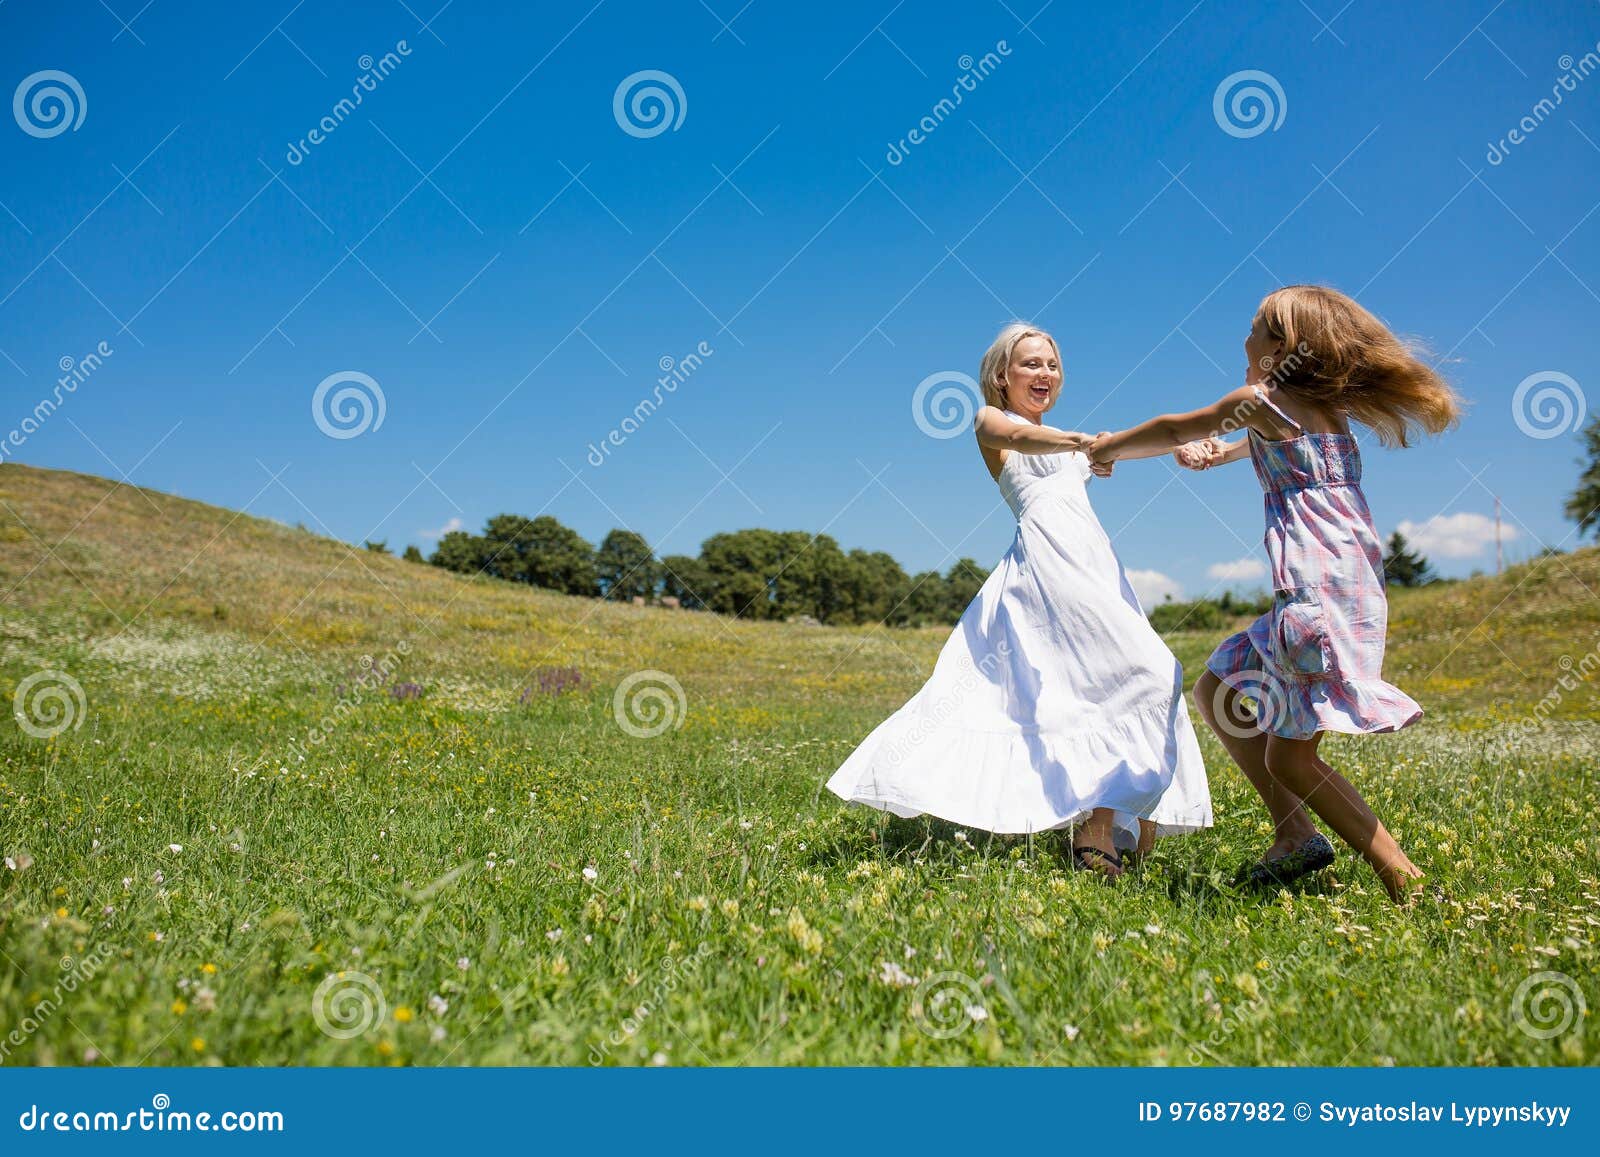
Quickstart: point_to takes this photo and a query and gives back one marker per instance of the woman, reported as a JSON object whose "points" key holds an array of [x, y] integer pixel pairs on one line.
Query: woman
{"points": [[1054, 703]]}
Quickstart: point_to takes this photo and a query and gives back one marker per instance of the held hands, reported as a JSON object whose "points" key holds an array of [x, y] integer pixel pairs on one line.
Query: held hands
{"points": [[1097, 468], [1201, 454]]}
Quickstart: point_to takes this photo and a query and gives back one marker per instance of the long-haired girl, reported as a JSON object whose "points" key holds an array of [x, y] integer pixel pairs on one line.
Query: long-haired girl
{"points": [[1313, 663]]}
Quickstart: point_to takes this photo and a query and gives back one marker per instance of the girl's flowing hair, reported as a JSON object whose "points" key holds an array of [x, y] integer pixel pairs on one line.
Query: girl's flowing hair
{"points": [[1337, 355], [995, 361]]}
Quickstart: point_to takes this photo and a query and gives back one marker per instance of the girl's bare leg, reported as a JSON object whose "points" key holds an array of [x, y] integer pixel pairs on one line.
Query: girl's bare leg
{"points": [[1294, 762], [1290, 824]]}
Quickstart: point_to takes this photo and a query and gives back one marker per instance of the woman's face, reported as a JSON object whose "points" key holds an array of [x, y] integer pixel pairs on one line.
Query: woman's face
{"points": [[1033, 379], [1261, 352]]}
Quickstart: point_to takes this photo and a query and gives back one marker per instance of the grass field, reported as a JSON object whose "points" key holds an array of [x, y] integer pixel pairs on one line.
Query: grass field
{"points": [[247, 847]]}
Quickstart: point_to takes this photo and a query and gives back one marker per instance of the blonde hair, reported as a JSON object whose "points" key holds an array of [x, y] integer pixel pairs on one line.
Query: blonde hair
{"points": [[991, 371], [1340, 357]]}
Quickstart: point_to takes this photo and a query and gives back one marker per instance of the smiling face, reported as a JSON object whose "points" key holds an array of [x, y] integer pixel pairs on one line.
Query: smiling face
{"points": [[1033, 377]]}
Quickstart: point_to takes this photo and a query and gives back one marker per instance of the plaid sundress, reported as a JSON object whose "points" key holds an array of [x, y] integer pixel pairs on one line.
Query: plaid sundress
{"points": [[1314, 661]]}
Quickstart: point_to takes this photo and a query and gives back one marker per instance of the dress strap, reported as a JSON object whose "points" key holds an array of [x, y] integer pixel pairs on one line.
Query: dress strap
{"points": [[1261, 396]]}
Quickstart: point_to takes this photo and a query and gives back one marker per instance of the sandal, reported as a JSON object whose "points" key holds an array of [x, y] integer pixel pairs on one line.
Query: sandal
{"points": [[1106, 860], [1312, 856]]}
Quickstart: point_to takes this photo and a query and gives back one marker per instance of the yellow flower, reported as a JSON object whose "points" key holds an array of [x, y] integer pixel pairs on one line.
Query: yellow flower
{"points": [[198, 1044], [208, 969], [559, 967], [730, 908], [179, 1007], [61, 913], [403, 1015], [698, 904], [385, 1048]]}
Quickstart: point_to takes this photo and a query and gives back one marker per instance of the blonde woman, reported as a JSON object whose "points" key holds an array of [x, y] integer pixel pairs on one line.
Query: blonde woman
{"points": [[1054, 703]]}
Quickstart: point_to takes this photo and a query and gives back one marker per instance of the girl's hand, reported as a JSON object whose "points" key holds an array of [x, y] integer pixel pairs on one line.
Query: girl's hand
{"points": [[1095, 445], [1201, 454]]}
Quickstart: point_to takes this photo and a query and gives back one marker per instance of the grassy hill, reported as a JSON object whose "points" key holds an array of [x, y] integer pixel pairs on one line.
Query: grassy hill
{"points": [[384, 824]]}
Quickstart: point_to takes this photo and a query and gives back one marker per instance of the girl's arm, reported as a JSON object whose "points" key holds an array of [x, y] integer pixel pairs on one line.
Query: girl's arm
{"points": [[999, 432], [1208, 452], [1233, 411]]}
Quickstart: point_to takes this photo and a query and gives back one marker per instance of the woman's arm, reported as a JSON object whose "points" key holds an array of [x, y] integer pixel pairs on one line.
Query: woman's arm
{"points": [[999, 432], [1233, 411]]}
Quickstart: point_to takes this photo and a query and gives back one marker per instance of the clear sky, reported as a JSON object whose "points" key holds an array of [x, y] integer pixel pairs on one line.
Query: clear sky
{"points": [[508, 249]]}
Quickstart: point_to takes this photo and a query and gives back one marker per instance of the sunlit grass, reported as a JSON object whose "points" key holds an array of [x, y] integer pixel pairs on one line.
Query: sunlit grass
{"points": [[493, 881]]}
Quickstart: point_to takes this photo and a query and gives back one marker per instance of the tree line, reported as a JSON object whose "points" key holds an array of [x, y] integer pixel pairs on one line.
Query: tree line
{"points": [[751, 574]]}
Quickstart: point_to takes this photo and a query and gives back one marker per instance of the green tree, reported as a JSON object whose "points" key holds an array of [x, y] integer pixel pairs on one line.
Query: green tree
{"points": [[412, 554], [880, 591], [1584, 505], [926, 602], [1403, 566], [460, 551], [379, 547], [686, 579], [742, 566], [961, 585], [626, 566], [539, 551]]}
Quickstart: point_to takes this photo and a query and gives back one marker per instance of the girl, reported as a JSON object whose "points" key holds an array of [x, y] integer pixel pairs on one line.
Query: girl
{"points": [[1053, 703], [1313, 663]]}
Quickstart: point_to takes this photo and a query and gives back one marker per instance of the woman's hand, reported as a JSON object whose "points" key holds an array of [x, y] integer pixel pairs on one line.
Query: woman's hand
{"points": [[1201, 454], [1099, 468]]}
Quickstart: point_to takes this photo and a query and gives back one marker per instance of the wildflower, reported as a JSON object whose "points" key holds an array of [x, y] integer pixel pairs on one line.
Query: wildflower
{"points": [[978, 1013], [590, 874], [698, 904], [730, 908], [961, 838], [174, 848], [438, 1005], [893, 975], [745, 825], [553, 935], [658, 1059], [559, 966], [198, 1044], [179, 1007], [438, 1034], [209, 969], [1071, 1030], [403, 1015], [159, 877], [205, 1000], [463, 963]]}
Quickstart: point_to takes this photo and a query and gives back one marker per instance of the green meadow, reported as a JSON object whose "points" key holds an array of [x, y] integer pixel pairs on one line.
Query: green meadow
{"points": [[268, 799]]}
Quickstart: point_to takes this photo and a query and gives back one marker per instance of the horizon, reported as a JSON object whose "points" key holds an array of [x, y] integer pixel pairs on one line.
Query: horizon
{"points": [[493, 258]]}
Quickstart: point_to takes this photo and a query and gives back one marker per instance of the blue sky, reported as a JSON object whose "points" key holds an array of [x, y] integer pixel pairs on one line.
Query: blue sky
{"points": [[485, 239]]}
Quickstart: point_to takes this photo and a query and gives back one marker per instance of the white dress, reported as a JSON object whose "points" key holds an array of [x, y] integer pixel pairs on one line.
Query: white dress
{"points": [[1053, 695]]}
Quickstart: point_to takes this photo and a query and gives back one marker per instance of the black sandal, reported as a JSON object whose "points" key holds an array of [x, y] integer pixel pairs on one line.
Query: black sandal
{"points": [[1312, 856], [1080, 865]]}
